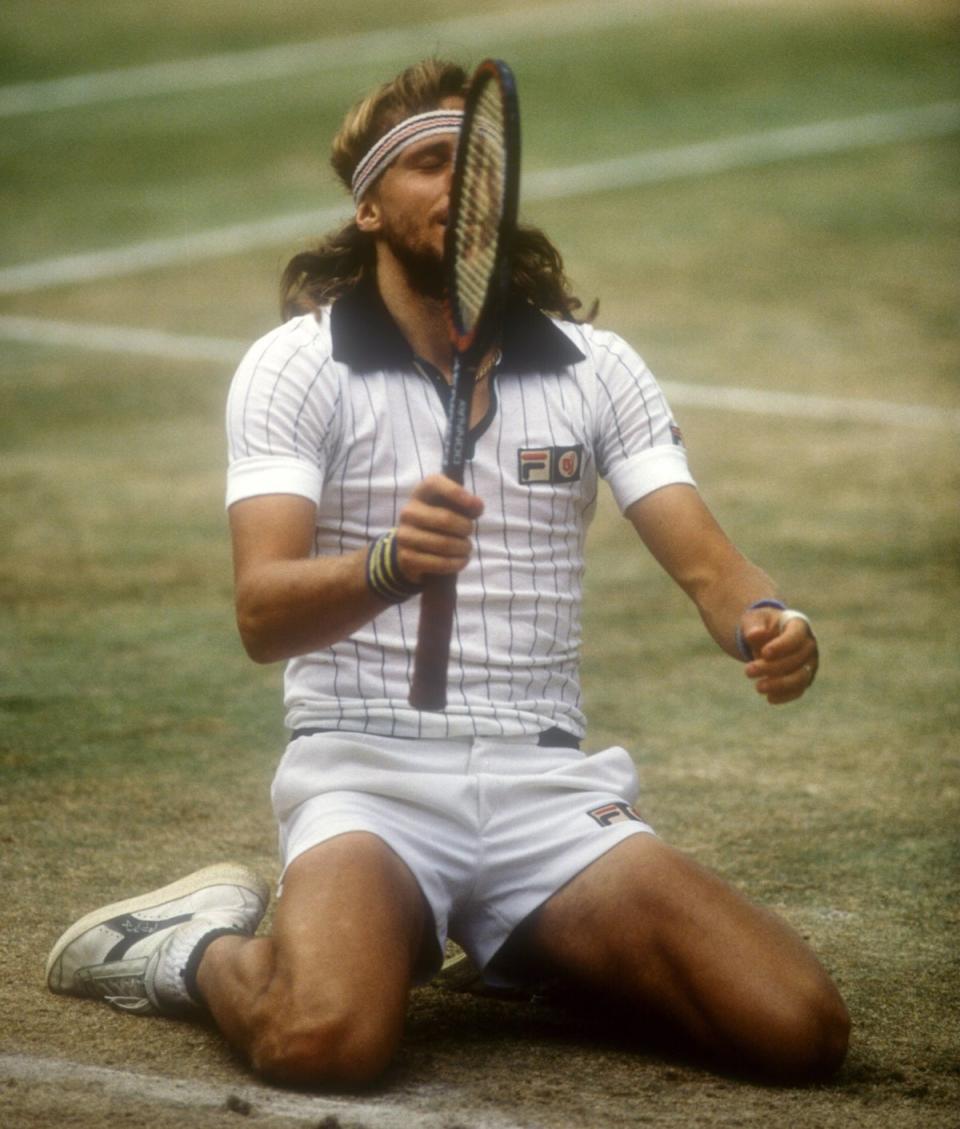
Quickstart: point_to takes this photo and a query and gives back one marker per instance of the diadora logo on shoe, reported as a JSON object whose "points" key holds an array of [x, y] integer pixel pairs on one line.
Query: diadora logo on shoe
{"points": [[552, 466], [133, 929]]}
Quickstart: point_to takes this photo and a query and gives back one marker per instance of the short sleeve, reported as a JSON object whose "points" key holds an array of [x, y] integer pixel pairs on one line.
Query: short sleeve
{"points": [[639, 446], [281, 414]]}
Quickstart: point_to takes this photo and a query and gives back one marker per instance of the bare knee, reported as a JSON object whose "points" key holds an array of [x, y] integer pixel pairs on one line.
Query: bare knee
{"points": [[804, 1038], [337, 1050], [825, 1031]]}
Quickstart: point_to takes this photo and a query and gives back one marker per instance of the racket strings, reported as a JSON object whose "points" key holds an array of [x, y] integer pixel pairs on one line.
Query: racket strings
{"points": [[483, 191]]}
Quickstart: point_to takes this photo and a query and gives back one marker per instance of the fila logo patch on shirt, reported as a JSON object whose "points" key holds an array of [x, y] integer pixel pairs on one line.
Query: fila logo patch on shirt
{"points": [[550, 465]]}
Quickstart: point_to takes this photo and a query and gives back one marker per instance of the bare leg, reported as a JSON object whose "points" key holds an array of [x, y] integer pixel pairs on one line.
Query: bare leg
{"points": [[322, 1000], [650, 928]]}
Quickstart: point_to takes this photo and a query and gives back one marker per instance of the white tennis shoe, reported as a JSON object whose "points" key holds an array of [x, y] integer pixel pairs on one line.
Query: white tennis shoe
{"points": [[136, 954]]}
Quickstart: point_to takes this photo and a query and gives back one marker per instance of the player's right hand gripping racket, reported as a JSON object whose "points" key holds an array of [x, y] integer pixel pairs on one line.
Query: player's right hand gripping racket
{"points": [[480, 226]]}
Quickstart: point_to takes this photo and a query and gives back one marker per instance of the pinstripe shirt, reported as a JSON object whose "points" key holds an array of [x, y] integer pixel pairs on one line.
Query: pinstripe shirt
{"points": [[336, 408]]}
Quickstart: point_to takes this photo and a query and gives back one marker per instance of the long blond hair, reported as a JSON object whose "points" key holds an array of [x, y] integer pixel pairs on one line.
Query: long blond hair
{"points": [[316, 277]]}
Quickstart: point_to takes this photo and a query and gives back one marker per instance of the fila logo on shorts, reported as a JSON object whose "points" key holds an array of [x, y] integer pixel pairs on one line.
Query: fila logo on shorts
{"points": [[612, 813], [550, 465]]}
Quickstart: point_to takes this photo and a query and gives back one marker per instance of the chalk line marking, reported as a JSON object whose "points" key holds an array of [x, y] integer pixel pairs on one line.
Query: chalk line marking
{"points": [[228, 351], [801, 405], [749, 150], [121, 339], [411, 1110], [316, 56], [117, 262]]}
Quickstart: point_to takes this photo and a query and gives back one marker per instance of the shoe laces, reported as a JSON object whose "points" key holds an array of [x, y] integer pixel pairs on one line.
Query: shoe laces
{"points": [[111, 986]]}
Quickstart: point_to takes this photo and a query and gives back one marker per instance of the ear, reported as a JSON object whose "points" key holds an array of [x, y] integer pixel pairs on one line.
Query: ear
{"points": [[368, 215]]}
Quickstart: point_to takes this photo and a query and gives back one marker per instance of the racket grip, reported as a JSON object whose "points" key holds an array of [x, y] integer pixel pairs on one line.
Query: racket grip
{"points": [[428, 689]]}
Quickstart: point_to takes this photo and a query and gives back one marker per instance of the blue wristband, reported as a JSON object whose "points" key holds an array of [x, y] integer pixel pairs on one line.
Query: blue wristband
{"points": [[742, 649]]}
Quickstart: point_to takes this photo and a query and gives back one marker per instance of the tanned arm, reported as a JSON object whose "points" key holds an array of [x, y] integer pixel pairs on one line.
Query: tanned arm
{"points": [[289, 603], [684, 537]]}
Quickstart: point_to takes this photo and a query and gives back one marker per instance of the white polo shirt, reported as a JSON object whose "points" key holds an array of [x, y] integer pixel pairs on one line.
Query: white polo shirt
{"points": [[335, 408]]}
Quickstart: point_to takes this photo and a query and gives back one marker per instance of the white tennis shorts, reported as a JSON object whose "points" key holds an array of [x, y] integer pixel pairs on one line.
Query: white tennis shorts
{"points": [[490, 828]]}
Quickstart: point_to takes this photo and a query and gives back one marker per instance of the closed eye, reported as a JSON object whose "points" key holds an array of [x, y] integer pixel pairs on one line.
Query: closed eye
{"points": [[430, 156]]}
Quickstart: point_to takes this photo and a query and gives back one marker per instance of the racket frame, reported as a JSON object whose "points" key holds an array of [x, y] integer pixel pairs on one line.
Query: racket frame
{"points": [[471, 344]]}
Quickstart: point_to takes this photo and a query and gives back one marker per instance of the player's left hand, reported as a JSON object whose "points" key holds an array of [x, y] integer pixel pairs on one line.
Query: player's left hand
{"points": [[785, 653]]}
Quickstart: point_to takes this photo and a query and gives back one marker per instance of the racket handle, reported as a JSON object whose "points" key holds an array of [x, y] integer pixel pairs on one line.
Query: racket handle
{"points": [[428, 689]]}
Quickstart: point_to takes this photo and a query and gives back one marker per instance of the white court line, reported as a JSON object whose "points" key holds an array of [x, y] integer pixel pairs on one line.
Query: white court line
{"points": [[650, 167], [121, 340], [412, 1110], [228, 351], [802, 405], [748, 150], [117, 262], [317, 56]]}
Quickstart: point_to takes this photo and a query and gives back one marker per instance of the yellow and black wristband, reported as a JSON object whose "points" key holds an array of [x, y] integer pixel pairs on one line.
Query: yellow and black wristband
{"points": [[384, 577]]}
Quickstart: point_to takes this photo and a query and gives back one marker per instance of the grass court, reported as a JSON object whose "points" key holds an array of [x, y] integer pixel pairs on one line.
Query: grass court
{"points": [[800, 309]]}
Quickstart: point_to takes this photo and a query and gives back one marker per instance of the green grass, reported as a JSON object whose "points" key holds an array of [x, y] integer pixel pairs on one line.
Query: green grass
{"points": [[127, 706], [177, 162], [62, 38]]}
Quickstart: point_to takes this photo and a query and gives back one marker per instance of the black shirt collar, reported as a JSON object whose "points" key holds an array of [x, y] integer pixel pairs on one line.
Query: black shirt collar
{"points": [[366, 337]]}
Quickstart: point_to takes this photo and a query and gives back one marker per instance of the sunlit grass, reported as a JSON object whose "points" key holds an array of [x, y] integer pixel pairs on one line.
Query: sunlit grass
{"points": [[126, 703]]}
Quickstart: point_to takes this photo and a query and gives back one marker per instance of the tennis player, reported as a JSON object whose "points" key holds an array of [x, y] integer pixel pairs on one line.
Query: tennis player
{"points": [[485, 823]]}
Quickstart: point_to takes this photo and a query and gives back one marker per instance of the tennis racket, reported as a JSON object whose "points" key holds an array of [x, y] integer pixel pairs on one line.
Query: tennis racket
{"points": [[482, 219]]}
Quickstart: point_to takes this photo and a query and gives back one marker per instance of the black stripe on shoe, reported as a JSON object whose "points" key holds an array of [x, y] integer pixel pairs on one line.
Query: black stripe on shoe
{"points": [[133, 929]]}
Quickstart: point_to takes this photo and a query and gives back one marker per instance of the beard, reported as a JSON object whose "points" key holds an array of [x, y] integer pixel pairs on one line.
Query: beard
{"points": [[422, 265]]}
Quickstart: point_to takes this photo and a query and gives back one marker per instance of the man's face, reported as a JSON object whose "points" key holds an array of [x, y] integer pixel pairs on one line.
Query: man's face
{"points": [[407, 209]]}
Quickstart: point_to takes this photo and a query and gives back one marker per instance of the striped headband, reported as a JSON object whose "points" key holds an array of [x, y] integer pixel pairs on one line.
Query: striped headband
{"points": [[378, 156]]}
